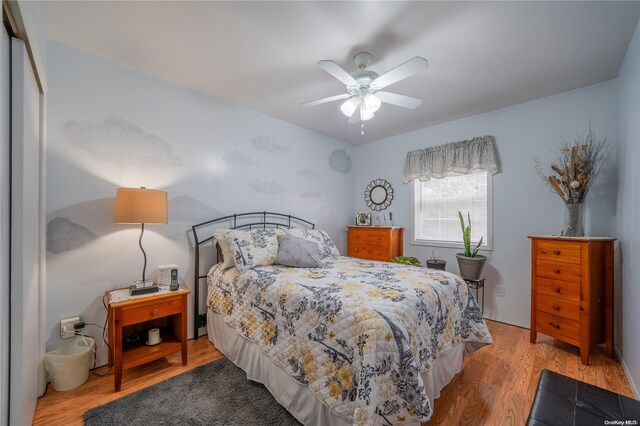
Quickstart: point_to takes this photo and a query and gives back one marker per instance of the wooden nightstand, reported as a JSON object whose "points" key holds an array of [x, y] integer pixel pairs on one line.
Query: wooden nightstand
{"points": [[136, 315]]}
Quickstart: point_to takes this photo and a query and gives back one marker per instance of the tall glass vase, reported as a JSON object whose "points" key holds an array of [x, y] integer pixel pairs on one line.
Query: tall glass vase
{"points": [[574, 219]]}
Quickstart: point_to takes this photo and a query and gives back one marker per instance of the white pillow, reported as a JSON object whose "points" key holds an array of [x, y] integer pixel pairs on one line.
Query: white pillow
{"points": [[220, 236], [321, 238], [257, 247]]}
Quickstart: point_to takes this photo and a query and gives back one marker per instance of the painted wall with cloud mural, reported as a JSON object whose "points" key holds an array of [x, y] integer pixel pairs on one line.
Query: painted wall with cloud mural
{"points": [[111, 126]]}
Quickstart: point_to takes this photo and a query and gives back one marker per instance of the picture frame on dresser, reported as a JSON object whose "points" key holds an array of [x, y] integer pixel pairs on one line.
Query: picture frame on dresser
{"points": [[363, 219]]}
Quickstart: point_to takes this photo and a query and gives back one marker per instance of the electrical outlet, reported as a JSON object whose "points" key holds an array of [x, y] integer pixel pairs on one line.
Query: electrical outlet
{"points": [[66, 327], [500, 291]]}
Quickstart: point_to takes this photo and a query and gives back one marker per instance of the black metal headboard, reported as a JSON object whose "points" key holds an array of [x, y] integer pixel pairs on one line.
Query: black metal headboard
{"points": [[249, 220]]}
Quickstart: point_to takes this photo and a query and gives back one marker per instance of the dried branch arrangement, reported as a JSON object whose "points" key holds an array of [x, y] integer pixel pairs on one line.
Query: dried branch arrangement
{"points": [[576, 167]]}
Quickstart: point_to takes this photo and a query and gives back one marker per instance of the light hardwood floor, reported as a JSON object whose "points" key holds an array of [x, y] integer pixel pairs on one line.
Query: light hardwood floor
{"points": [[495, 387], [67, 408]]}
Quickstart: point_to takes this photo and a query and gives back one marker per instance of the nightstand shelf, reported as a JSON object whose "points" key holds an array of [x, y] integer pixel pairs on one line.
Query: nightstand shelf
{"points": [[130, 316], [139, 353]]}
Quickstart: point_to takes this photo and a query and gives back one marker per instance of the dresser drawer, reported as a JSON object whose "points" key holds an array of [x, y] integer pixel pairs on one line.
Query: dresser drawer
{"points": [[556, 306], [365, 251], [558, 270], [559, 251], [379, 237], [558, 327], [558, 289], [148, 312]]}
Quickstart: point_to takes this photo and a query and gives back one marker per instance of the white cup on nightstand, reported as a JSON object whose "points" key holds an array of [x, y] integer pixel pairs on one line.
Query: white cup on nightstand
{"points": [[154, 337]]}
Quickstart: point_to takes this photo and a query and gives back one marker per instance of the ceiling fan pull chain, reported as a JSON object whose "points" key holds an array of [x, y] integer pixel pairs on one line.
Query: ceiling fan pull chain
{"points": [[362, 132]]}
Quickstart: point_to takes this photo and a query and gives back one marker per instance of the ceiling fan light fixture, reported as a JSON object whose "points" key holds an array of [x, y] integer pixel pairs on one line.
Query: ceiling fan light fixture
{"points": [[364, 95], [366, 113], [372, 103], [349, 106]]}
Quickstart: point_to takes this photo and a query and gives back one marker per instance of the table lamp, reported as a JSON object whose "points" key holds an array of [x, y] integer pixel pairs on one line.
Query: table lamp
{"points": [[141, 205]]}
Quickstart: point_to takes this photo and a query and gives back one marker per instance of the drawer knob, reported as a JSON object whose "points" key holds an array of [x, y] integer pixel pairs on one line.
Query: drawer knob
{"points": [[554, 325], [357, 250], [556, 307], [379, 253], [556, 252], [357, 236], [379, 237], [556, 289], [556, 270], [154, 312], [543, 251]]}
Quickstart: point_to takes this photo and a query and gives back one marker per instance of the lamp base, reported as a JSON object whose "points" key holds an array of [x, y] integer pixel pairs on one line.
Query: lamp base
{"points": [[139, 288]]}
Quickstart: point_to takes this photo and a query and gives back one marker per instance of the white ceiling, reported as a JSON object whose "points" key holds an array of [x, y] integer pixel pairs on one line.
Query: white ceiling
{"points": [[263, 55]]}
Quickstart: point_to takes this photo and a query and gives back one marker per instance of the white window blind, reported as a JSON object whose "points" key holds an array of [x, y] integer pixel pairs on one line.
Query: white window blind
{"points": [[438, 201]]}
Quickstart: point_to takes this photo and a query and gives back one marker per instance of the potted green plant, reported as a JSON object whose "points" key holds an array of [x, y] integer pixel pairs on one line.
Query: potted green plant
{"points": [[435, 263], [406, 260], [470, 262]]}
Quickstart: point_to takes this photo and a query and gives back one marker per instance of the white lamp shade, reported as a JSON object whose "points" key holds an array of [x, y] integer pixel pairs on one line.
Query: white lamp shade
{"points": [[372, 103], [365, 113], [349, 106]]}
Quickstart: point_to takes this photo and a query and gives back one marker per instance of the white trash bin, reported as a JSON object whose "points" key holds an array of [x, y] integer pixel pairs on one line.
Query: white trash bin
{"points": [[67, 367]]}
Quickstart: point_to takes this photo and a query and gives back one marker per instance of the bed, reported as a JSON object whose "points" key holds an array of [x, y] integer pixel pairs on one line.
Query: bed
{"points": [[354, 342]]}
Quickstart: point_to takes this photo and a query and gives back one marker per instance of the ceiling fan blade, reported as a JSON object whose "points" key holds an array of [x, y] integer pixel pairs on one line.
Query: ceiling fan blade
{"points": [[409, 68], [399, 100], [325, 100], [335, 70], [355, 117]]}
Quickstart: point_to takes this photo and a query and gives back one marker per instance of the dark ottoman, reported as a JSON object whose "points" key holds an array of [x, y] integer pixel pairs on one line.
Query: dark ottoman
{"points": [[561, 400]]}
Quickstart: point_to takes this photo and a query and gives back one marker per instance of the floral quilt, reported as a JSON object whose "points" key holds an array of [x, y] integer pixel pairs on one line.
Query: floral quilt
{"points": [[357, 332]]}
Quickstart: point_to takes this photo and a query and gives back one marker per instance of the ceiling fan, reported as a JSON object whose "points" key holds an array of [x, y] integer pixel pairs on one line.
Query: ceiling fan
{"points": [[364, 95]]}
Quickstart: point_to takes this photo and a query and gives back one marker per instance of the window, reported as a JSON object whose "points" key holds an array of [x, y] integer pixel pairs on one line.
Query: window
{"points": [[436, 206]]}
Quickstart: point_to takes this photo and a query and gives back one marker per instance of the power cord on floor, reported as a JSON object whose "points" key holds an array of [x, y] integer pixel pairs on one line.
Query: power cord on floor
{"points": [[104, 340]]}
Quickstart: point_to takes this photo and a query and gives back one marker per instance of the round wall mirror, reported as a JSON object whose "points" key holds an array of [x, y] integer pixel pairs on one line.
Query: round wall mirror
{"points": [[378, 194]]}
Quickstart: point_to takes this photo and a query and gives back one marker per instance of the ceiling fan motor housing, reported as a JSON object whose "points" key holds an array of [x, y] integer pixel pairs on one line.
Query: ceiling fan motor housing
{"points": [[362, 59], [365, 79], [363, 76]]}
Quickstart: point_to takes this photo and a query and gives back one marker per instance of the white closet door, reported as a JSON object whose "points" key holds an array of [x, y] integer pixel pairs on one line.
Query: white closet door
{"points": [[25, 238], [5, 136]]}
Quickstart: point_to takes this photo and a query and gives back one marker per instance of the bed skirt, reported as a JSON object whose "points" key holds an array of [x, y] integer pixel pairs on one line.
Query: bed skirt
{"points": [[296, 397]]}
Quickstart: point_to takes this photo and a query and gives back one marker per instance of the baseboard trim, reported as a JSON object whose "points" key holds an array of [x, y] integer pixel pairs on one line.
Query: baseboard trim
{"points": [[634, 388], [514, 323]]}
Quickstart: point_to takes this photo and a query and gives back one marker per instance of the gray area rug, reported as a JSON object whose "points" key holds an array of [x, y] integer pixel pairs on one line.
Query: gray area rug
{"points": [[217, 393]]}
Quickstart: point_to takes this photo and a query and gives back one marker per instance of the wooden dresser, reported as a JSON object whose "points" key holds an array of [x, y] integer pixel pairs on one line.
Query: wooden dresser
{"points": [[572, 291], [374, 242]]}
